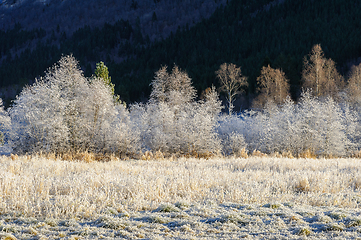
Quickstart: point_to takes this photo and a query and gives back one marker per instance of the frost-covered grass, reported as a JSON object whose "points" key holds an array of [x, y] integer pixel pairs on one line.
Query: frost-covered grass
{"points": [[184, 198]]}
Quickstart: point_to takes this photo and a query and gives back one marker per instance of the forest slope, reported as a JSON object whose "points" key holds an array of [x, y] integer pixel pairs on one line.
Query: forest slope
{"points": [[248, 33]]}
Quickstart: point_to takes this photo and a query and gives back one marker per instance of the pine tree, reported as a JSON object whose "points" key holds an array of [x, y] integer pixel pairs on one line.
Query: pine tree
{"points": [[102, 72]]}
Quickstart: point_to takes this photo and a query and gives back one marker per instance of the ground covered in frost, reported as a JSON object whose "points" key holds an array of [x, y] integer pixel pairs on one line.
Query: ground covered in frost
{"points": [[184, 221], [256, 198]]}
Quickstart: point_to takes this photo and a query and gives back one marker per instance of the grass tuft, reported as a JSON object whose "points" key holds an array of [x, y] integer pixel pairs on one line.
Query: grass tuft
{"points": [[243, 153], [8, 237], [307, 154], [357, 183], [167, 208], [182, 205], [304, 231], [333, 227], [257, 153], [272, 205], [302, 186], [148, 155], [353, 222]]}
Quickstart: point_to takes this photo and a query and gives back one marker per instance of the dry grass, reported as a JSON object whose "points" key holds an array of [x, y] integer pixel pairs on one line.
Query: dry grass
{"points": [[83, 156], [179, 198], [302, 185], [158, 155], [356, 154], [37, 186]]}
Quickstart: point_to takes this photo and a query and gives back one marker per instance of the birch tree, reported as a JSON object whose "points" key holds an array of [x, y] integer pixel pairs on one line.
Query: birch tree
{"points": [[232, 81], [312, 73], [172, 121], [320, 74], [174, 88], [273, 86], [354, 85]]}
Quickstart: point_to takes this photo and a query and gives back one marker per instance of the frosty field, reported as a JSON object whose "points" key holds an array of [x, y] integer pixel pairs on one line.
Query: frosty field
{"points": [[264, 198]]}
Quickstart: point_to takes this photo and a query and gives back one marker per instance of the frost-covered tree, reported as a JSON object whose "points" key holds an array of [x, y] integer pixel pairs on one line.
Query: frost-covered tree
{"points": [[38, 119], [5, 130], [319, 125], [211, 103], [309, 112], [156, 123], [98, 114], [67, 78], [172, 121], [333, 129], [160, 85], [174, 88], [352, 128], [180, 88], [121, 134], [230, 131], [64, 111], [289, 128], [198, 124]]}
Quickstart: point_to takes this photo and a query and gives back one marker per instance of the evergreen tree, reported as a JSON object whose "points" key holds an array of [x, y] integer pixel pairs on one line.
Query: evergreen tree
{"points": [[102, 72]]}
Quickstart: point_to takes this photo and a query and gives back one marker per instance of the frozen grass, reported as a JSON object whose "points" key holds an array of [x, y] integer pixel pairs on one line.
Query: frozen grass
{"points": [[184, 198]]}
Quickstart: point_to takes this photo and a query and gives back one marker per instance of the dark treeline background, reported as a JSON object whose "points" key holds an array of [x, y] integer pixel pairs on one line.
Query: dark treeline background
{"points": [[249, 33]]}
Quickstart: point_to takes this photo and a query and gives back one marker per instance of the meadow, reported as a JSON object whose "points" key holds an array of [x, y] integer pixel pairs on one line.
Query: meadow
{"points": [[180, 198]]}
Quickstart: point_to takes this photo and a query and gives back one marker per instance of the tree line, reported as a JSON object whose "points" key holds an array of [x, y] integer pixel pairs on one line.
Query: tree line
{"points": [[66, 112]]}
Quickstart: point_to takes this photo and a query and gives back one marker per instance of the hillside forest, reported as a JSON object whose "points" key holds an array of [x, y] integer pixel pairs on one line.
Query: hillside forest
{"points": [[248, 33]]}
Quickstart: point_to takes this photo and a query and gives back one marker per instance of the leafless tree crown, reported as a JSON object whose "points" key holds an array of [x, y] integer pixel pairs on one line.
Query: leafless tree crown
{"points": [[232, 81]]}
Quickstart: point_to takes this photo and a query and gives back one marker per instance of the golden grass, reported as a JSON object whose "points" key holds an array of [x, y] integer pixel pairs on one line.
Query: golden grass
{"points": [[302, 185], [83, 156], [158, 155]]}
